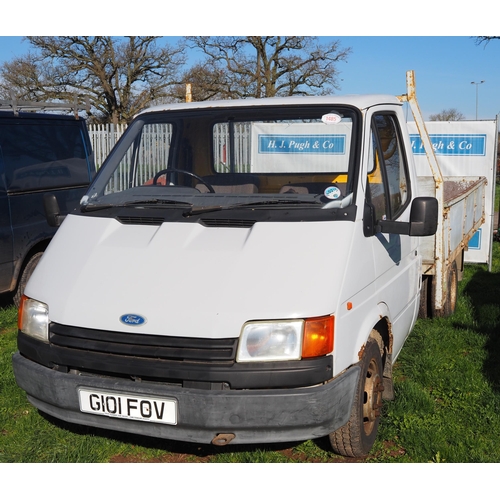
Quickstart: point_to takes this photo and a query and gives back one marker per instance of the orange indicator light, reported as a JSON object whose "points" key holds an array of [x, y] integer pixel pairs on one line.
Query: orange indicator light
{"points": [[318, 337]]}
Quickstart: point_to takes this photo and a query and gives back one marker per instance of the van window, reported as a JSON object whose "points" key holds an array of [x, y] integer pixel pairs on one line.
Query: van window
{"points": [[388, 186], [282, 146], [43, 154], [274, 156], [147, 155]]}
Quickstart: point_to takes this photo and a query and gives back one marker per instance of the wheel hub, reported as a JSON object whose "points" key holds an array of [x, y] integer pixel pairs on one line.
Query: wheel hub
{"points": [[372, 402]]}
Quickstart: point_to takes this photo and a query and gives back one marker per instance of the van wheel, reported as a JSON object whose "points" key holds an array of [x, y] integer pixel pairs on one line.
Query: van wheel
{"points": [[450, 301], [356, 437], [25, 276]]}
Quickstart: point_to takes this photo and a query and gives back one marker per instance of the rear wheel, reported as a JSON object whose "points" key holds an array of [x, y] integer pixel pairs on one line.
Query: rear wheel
{"points": [[356, 437], [25, 276]]}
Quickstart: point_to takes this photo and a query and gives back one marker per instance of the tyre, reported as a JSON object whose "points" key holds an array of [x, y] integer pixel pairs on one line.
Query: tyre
{"points": [[450, 301], [356, 437], [25, 276]]}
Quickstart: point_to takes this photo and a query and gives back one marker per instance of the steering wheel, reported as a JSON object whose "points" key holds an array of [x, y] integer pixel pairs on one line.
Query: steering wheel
{"points": [[179, 170]]}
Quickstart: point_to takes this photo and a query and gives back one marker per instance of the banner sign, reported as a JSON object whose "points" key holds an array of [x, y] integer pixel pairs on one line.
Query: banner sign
{"points": [[464, 149], [302, 144], [300, 147], [452, 144]]}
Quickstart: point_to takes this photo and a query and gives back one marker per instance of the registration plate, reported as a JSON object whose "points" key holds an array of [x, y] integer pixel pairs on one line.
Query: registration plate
{"points": [[128, 406]]}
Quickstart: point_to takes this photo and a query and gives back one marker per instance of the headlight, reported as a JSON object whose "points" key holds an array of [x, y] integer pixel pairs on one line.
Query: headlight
{"points": [[270, 341], [286, 340], [33, 319]]}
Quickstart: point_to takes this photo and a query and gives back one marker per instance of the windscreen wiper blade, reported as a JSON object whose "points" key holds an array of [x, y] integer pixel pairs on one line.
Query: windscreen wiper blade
{"points": [[279, 202], [93, 207], [158, 201], [273, 202]]}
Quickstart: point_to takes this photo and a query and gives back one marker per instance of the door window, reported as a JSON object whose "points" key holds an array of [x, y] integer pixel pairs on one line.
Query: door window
{"points": [[39, 154], [388, 186]]}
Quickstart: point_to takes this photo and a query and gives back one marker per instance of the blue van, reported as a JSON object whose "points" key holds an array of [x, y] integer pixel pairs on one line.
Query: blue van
{"points": [[40, 153]]}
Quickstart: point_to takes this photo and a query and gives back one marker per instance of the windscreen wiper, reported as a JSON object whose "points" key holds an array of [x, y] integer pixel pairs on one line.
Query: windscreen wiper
{"points": [[92, 207], [158, 201], [274, 202]]}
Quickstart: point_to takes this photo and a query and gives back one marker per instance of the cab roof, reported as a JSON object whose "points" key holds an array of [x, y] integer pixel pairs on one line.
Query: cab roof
{"points": [[360, 101]]}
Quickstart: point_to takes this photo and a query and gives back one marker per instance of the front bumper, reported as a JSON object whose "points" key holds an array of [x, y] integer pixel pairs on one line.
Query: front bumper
{"points": [[252, 416]]}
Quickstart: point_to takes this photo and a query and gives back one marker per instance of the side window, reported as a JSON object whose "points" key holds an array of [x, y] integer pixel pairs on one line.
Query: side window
{"points": [[388, 187], [147, 155], [43, 154]]}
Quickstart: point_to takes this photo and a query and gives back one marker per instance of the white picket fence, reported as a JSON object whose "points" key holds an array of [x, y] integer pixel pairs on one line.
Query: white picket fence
{"points": [[103, 138]]}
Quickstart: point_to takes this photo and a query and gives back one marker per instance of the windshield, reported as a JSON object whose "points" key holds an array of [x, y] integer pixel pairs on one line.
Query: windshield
{"points": [[227, 156]]}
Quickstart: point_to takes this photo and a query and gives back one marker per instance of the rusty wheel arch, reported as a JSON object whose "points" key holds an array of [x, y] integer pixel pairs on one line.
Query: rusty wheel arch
{"points": [[382, 334]]}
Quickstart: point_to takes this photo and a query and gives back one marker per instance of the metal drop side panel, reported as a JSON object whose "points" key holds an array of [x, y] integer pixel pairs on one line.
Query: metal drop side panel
{"points": [[463, 213]]}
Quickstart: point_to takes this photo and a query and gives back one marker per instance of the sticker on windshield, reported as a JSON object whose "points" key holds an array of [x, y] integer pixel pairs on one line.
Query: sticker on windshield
{"points": [[331, 118], [332, 192]]}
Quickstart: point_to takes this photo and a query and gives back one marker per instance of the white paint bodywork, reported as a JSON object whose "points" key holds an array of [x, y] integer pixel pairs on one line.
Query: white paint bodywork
{"points": [[189, 280], [360, 101], [193, 281]]}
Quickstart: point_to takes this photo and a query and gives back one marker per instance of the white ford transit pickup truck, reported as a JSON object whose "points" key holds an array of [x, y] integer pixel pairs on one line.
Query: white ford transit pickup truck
{"points": [[242, 271]]}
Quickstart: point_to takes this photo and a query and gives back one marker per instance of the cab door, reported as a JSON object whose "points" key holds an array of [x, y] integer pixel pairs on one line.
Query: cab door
{"points": [[388, 190]]}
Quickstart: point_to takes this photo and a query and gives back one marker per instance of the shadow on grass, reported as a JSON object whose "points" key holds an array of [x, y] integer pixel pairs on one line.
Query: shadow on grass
{"points": [[184, 452], [6, 300], [180, 451], [483, 291]]}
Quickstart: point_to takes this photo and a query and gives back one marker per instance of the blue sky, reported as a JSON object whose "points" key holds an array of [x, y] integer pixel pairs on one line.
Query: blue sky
{"points": [[444, 66]]}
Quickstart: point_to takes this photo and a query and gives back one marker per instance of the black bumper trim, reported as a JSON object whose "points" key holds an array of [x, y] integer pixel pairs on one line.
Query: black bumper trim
{"points": [[257, 416]]}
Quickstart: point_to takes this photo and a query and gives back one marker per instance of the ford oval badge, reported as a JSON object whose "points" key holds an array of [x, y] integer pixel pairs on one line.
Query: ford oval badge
{"points": [[132, 319]]}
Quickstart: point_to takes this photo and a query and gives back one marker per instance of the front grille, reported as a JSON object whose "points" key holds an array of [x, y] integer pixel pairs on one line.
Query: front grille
{"points": [[189, 362], [144, 346]]}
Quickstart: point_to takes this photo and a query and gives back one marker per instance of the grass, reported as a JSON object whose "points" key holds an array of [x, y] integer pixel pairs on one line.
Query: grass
{"points": [[447, 406]]}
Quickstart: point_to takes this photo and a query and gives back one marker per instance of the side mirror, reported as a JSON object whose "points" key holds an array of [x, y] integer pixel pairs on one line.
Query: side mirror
{"points": [[424, 216], [423, 219], [52, 211]]}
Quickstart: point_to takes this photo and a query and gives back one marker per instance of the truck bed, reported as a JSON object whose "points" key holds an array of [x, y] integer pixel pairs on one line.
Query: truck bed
{"points": [[463, 213]]}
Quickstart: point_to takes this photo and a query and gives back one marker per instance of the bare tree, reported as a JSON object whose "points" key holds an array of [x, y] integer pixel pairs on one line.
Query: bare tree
{"points": [[207, 83], [485, 39], [447, 115], [121, 76], [268, 66]]}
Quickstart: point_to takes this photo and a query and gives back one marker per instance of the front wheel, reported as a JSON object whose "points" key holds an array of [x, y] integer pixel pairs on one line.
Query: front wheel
{"points": [[356, 437], [25, 276]]}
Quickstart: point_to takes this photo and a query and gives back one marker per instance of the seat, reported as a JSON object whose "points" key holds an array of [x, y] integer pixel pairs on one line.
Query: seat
{"points": [[230, 184], [288, 188]]}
